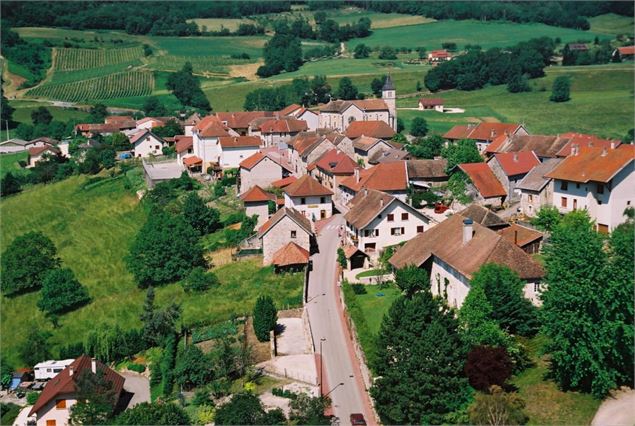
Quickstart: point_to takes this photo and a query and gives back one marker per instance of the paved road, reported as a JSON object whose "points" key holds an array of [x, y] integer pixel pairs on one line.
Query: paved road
{"points": [[617, 410], [326, 322]]}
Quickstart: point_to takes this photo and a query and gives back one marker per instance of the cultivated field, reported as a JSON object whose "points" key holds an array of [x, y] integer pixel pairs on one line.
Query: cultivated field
{"points": [[133, 83], [612, 24], [211, 46], [79, 59], [485, 34], [92, 229]]}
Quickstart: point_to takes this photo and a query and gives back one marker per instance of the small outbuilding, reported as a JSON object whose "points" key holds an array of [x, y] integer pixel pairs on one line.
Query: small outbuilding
{"points": [[435, 104], [290, 258]]}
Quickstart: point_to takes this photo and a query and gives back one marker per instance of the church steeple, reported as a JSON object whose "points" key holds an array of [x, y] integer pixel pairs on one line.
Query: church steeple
{"points": [[389, 95]]}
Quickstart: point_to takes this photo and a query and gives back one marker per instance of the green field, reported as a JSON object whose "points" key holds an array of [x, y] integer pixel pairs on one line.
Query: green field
{"points": [[99, 38], [79, 59], [215, 24], [485, 34], [9, 163], [133, 83], [612, 24], [211, 46], [92, 230], [23, 111], [601, 103]]}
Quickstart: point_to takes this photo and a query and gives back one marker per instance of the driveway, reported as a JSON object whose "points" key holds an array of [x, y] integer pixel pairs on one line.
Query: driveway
{"points": [[617, 410], [138, 385], [342, 376]]}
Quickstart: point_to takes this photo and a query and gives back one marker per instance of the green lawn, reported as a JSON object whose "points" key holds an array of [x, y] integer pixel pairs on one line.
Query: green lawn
{"points": [[485, 34], [367, 311], [23, 109], [9, 163], [546, 404], [612, 24], [211, 46], [370, 273], [92, 230], [601, 103]]}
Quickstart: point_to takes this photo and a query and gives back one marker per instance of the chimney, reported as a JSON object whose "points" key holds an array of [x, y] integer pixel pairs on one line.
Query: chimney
{"points": [[381, 202], [365, 192], [604, 152], [612, 144], [516, 237], [70, 370], [93, 366], [357, 175], [467, 230], [492, 133], [515, 157]]}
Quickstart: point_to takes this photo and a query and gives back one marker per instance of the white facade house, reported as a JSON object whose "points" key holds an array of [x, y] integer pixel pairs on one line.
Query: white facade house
{"points": [[260, 169], [311, 118], [48, 369], [206, 136], [310, 198], [235, 149], [377, 220], [145, 143], [455, 249], [599, 180]]}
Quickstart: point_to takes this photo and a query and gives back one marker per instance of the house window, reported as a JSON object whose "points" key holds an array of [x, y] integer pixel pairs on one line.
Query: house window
{"points": [[600, 188], [564, 185], [50, 422], [536, 287], [397, 231], [563, 202], [419, 229], [158, 147], [366, 232], [603, 229], [391, 217], [531, 198], [60, 404], [293, 234], [322, 200], [575, 204], [577, 185], [302, 200], [404, 216]]}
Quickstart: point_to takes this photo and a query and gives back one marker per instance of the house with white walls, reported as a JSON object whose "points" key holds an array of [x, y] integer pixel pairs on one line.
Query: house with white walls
{"points": [[145, 143], [275, 131], [511, 167], [206, 136], [377, 220], [484, 134], [455, 249], [285, 226], [598, 180], [391, 178], [312, 199], [235, 149]]}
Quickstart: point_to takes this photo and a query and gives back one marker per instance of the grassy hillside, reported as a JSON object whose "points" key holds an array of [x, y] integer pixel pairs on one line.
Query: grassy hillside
{"points": [[485, 34], [612, 24], [92, 229], [10, 163], [601, 103]]}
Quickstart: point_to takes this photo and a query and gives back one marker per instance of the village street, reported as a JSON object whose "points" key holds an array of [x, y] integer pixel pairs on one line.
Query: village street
{"points": [[342, 378]]}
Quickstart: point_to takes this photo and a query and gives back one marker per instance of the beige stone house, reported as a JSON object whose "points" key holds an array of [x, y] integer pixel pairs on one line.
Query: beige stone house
{"points": [[286, 226], [256, 201], [331, 168], [145, 143], [39, 152], [367, 147], [536, 190], [306, 148], [261, 169], [391, 178], [511, 167]]}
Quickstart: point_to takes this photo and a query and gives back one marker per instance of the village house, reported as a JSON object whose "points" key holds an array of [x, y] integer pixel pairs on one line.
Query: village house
{"points": [[331, 168], [205, 139], [38, 153], [435, 104], [284, 182], [536, 190], [308, 196], [546, 146], [290, 258], [260, 169], [18, 145], [484, 216], [599, 180], [377, 220], [367, 147], [286, 226], [240, 121], [149, 123], [338, 114], [305, 149], [484, 187], [435, 57], [256, 201], [485, 134], [190, 122], [392, 154], [184, 147], [624, 53], [527, 239], [276, 131], [112, 124], [391, 178], [427, 173], [54, 404], [583, 140], [235, 149], [511, 167], [145, 143], [456, 248], [300, 113]]}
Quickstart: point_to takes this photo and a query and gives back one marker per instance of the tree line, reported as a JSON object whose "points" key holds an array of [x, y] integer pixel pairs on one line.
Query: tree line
{"points": [[36, 58]]}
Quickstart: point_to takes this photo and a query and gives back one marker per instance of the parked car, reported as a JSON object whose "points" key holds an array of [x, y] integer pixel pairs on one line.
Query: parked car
{"points": [[357, 419]]}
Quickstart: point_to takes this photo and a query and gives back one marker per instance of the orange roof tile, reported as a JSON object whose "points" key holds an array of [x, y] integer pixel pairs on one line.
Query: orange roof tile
{"points": [[336, 162], [37, 150], [288, 125], [249, 162], [256, 194], [430, 101], [483, 179], [375, 128], [390, 176], [239, 141], [210, 127], [288, 110], [627, 50], [482, 131], [307, 186], [585, 140], [241, 119], [292, 214], [183, 143], [290, 254], [458, 132], [190, 161], [520, 235], [371, 104], [517, 163], [593, 164], [284, 182]]}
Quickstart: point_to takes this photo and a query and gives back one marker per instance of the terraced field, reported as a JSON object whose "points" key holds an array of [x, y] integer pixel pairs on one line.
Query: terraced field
{"points": [[133, 83], [79, 59]]}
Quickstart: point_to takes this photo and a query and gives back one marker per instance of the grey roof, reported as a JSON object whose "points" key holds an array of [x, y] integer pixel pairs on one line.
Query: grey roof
{"points": [[422, 169], [162, 170], [335, 106], [535, 180], [388, 155], [542, 145], [483, 216], [16, 142], [388, 85]]}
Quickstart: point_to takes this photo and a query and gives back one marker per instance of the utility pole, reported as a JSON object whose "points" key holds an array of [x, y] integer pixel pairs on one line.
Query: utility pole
{"points": [[321, 363]]}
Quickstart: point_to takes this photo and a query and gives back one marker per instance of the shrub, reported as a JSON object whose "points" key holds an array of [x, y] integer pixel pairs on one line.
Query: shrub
{"points": [[31, 397], [497, 408], [61, 292], [265, 317], [199, 280], [487, 366], [561, 89], [139, 368], [359, 288]]}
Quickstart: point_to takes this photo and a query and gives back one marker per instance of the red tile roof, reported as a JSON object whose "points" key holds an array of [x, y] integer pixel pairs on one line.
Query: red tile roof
{"points": [[517, 163], [390, 176], [371, 104], [290, 254], [594, 164], [288, 110], [284, 182], [496, 143], [239, 141], [483, 179], [627, 50], [458, 132], [441, 53], [210, 127], [520, 235], [241, 119], [292, 214], [65, 382], [257, 195], [430, 101], [305, 141], [37, 150], [307, 186], [336, 162], [249, 162], [190, 161], [584, 140], [482, 131], [376, 129], [183, 143], [288, 125]]}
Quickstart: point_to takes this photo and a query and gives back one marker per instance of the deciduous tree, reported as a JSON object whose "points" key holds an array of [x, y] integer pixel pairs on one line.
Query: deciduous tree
{"points": [[192, 368], [346, 90], [202, 218], [411, 279], [561, 89], [154, 413], [95, 399], [61, 292], [487, 366], [419, 127]]}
